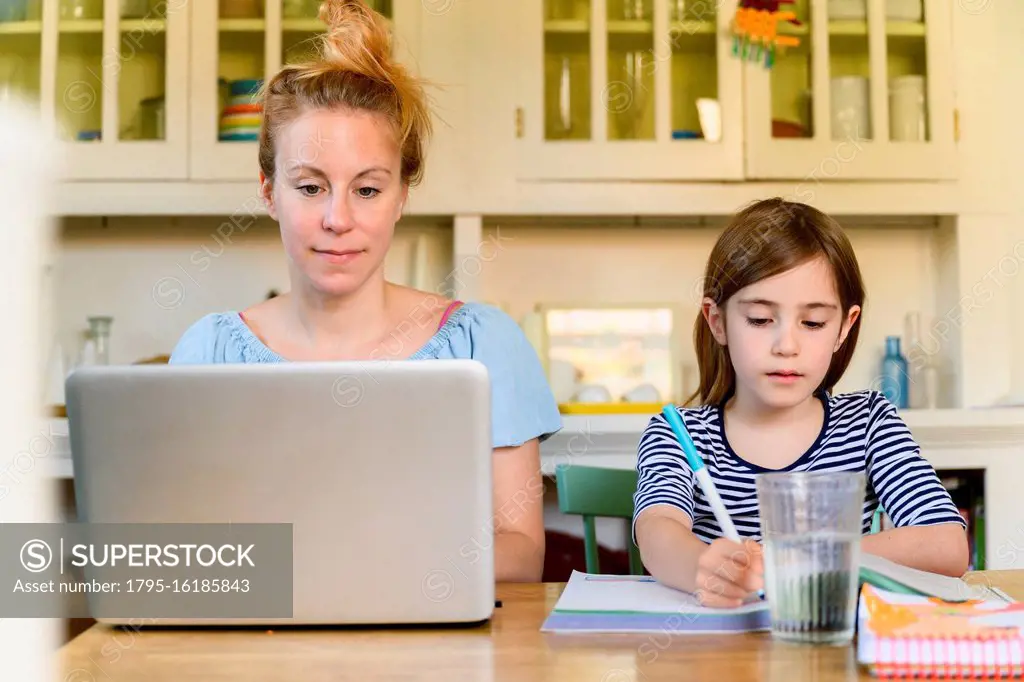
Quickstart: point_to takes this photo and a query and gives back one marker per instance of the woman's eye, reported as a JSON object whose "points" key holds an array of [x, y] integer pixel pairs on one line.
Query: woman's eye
{"points": [[815, 325], [757, 321], [368, 192], [309, 190]]}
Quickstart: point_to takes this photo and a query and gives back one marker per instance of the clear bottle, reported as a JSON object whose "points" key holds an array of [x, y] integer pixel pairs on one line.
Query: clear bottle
{"points": [[895, 384], [99, 331], [916, 360]]}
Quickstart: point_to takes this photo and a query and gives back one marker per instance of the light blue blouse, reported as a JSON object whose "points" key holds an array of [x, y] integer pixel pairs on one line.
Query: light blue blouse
{"points": [[522, 405]]}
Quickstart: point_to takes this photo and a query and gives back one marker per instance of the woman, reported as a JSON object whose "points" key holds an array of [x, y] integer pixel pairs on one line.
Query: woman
{"points": [[341, 143]]}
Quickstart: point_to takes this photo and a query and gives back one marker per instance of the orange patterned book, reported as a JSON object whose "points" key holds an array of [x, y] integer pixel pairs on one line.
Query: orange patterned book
{"points": [[902, 635]]}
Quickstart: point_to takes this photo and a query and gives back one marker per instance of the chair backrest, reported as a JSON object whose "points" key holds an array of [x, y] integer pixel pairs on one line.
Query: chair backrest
{"points": [[595, 492]]}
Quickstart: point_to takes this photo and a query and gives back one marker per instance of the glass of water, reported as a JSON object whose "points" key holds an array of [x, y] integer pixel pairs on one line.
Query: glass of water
{"points": [[811, 529]]}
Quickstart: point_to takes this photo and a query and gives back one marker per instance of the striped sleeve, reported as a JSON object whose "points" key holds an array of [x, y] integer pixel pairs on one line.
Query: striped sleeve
{"points": [[663, 474], [906, 484]]}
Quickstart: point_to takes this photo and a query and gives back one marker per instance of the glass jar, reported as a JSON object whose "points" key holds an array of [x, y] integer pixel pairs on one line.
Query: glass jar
{"points": [[151, 118], [99, 333]]}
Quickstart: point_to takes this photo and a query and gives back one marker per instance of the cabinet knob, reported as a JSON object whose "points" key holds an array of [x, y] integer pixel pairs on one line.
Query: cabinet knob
{"points": [[519, 122]]}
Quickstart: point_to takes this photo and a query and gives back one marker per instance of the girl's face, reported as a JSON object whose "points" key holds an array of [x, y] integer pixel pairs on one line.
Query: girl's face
{"points": [[781, 333], [337, 194]]}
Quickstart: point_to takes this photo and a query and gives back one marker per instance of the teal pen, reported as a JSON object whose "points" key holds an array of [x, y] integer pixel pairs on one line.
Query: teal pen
{"points": [[703, 476]]}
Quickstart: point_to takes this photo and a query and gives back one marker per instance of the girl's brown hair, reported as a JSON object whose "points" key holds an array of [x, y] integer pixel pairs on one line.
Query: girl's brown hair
{"points": [[765, 239], [355, 71]]}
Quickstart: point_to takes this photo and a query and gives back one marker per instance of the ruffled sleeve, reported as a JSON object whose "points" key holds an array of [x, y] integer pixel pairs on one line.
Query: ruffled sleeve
{"points": [[522, 404], [212, 339]]}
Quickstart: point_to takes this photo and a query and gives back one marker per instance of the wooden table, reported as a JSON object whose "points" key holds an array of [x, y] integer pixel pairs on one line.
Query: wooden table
{"points": [[508, 649]]}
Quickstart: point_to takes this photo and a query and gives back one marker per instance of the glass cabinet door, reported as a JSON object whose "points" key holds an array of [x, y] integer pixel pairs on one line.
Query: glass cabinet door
{"points": [[630, 81], [120, 89], [628, 89], [241, 63], [237, 44], [567, 68], [696, 108], [856, 98], [21, 47]]}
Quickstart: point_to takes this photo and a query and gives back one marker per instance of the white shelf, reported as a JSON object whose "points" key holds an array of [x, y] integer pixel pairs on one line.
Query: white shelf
{"points": [[987, 418], [860, 28], [57, 467], [630, 27], [303, 26], [611, 440], [20, 27], [81, 26], [567, 26], [143, 25], [242, 25], [680, 28]]}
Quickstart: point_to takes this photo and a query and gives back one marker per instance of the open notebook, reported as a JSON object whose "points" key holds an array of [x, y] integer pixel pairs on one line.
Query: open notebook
{"points": [[622, 603], [893, 577], [905, 635]]}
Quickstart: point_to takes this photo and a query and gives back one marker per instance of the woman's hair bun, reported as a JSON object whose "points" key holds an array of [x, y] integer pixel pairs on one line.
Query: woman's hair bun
{"points": [[357, 39], [355, 70]]}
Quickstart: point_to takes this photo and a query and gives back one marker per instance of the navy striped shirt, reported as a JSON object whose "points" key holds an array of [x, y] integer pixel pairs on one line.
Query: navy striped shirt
{"points": [[861, 431]]}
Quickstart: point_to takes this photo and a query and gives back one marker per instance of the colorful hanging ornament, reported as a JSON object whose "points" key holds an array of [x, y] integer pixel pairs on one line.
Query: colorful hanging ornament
{"points": [[755, 30]]}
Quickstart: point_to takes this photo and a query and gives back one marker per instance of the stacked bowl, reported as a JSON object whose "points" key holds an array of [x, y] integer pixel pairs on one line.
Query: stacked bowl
{"points": [[240, 119]]}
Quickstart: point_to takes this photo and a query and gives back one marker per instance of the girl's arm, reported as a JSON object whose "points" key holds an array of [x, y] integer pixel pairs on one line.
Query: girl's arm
{"points": [[930, 534], [518, 514], [667, 546], [938, 549], [721, 574]]}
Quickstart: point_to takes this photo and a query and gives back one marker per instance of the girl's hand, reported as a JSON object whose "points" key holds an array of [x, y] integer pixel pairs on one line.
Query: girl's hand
{"points": [[728, 571]]}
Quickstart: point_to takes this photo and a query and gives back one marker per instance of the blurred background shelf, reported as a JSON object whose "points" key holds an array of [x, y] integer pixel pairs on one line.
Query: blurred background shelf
{"points": [[20, 27]]}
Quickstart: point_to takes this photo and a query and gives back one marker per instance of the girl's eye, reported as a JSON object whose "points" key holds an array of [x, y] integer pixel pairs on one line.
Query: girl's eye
{"points": [[368, 192], [309, 190], [757, 321], [815, 325]]}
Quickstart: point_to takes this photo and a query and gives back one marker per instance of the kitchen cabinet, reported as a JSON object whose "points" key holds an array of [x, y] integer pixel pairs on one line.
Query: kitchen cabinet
{"points": [[238, 44], [573, 90], [867, 95], [616, 89], [109, 76]]}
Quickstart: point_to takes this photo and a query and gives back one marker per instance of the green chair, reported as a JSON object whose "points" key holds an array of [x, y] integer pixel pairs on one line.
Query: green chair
{"points": [[592, 492]]}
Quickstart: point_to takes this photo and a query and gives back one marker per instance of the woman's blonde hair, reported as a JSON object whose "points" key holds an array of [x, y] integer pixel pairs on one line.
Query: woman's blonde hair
{"points": [[765, 239], [355, 71]]}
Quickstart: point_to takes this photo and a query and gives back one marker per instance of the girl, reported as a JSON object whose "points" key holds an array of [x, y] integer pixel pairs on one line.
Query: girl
{"points": [[778, 326], [342, 141]]}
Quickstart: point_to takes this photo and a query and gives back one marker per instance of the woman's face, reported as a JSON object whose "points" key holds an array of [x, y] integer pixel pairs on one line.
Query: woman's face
{"points": [[337, 194]]}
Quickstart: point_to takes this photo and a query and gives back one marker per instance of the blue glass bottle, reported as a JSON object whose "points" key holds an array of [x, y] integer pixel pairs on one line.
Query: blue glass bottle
{"points": [[895, 374]]}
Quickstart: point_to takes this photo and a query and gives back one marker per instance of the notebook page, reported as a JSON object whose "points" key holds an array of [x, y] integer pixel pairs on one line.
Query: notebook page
{"points": [[941, 586], [594, 592]]}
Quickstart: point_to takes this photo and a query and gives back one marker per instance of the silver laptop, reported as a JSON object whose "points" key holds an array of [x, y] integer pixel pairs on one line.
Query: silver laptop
{"points": [[383, 468]]}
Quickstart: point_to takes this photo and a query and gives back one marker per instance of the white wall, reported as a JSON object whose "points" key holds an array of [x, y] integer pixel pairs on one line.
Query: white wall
{"points": [[156, 276], [594, 266]]}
